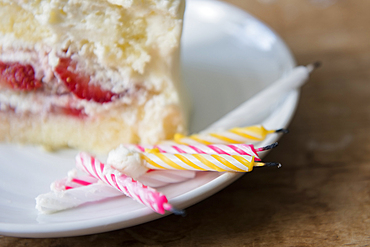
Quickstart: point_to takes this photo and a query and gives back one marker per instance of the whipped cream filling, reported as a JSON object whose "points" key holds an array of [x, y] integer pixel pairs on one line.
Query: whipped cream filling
{"points": [[55, 93], [127, 47], [41, 103], [115, 41]]}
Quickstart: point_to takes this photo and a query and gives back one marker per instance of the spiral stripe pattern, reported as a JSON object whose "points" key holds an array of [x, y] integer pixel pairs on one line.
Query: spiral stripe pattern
{"points": [[250, 134], [199, 162], [66, 193], [73, 182], [134, 189], [153, 178], [231, 149]]}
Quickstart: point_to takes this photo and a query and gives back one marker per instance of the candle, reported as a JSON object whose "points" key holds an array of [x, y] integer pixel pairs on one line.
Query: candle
{"points": [[201, 162], [152, 178], [59, 200], [266, 99], [78, 189], [73, 180], [231, 149], [249, 134], [134, 189], [135, 164]]}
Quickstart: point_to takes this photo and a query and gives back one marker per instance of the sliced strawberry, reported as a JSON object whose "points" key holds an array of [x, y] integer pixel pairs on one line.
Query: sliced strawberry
{"points": [[79, 83], [18, 76]]}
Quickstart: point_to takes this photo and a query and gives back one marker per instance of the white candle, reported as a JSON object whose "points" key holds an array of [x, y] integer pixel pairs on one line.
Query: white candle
{"points": [[264, 100], [55, 201]]}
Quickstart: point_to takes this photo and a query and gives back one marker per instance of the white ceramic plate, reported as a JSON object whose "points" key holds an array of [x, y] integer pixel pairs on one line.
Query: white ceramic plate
{"points": [[227, 57]]}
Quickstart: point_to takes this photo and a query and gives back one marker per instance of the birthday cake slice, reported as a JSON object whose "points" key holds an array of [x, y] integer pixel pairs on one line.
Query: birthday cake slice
{"points": [[90, 74]]}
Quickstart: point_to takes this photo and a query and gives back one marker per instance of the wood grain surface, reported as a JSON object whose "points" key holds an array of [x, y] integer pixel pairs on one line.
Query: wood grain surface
{"points": [[321, 196]]}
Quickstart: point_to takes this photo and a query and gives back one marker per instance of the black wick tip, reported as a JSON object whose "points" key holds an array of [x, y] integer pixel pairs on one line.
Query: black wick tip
{"points": [[267, 164], [284, 131], [271, 146], [270, 164], [317, 64], [178, 212]]}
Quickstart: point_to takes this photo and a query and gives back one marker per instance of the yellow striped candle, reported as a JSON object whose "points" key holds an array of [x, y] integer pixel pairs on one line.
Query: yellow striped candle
{"points": [[250, 134], [201, 162]]}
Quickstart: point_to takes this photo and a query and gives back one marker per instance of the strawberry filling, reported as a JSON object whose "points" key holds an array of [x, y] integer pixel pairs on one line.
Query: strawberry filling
{"points": [[21, 77], [79, 84], [18, 77]]}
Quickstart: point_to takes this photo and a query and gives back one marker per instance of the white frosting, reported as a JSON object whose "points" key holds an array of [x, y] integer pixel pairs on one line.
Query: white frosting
{"points": [[128, 47], [127, 162], [134, 33], [140, 50]]}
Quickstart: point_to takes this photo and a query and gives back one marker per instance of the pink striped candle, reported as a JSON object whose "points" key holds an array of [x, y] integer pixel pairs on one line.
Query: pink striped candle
{"points": [[134, 189], [152, 178], [73, 182], [231, 149]]}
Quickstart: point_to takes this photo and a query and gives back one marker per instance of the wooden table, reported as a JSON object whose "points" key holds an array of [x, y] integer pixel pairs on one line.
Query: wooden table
{"points": [[321, 196]]}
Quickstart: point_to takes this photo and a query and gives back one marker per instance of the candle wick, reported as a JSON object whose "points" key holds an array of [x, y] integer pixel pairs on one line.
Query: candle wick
{"points": [[268, 147], [173, 210], [267, 164], [317, 64], [270, 164], [311, 67], [284, 131]]}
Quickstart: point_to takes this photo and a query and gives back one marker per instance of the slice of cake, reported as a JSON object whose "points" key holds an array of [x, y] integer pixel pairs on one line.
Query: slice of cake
{"points": [[90, 74]]}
